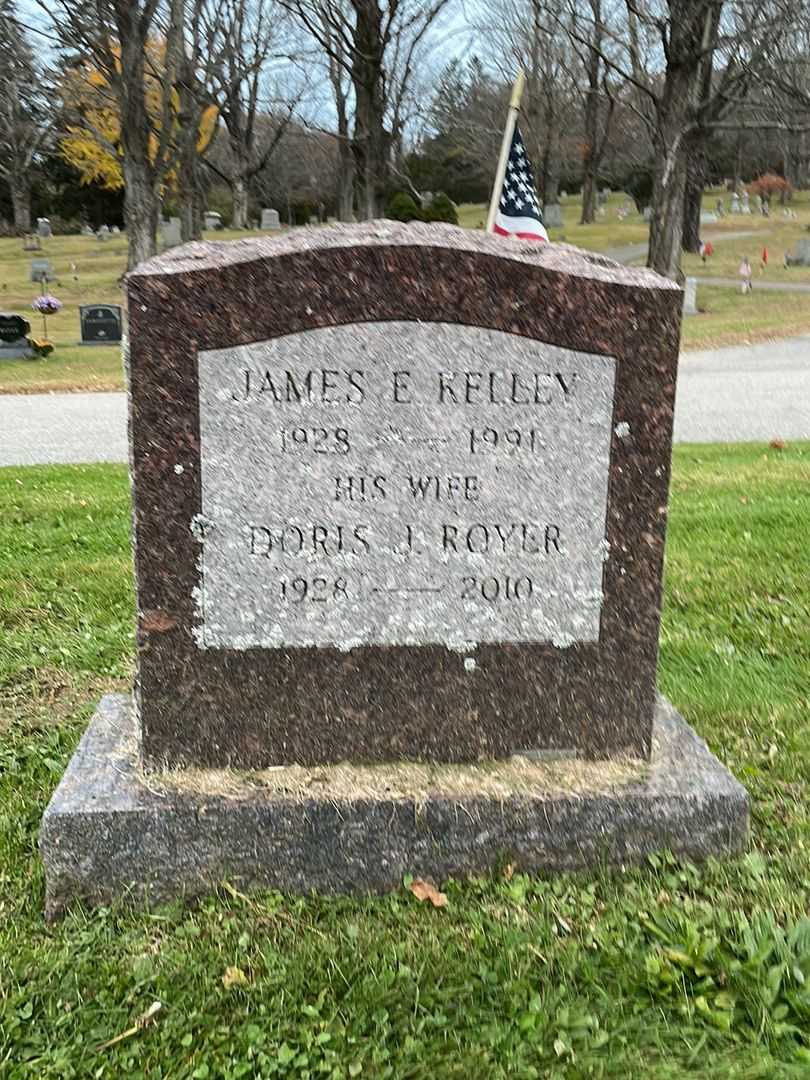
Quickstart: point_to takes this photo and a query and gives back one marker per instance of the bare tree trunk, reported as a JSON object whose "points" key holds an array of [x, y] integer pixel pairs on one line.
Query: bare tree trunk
{"points": [[21, 203], [695, 182], [589, 178], [370, 149], [345, 183], [738, 164], [666, 224], [141, 185], [141, 211], [190, 188], [371, 143], [588, 215], [554, 168], [190, 178]]}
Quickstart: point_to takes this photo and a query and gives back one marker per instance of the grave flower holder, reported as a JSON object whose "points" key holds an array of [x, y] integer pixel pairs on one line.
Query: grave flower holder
{"points": [[46, 305]]}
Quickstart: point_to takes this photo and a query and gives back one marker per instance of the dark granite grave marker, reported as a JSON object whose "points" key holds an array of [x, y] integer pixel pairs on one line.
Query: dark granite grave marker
{"points": [[400, 497], [14, 331], [100, 323]]}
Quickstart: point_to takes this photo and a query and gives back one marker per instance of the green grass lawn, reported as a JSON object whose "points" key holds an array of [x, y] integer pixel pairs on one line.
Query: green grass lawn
{"points": [[89, 271], [726, 318], [665, 971]]}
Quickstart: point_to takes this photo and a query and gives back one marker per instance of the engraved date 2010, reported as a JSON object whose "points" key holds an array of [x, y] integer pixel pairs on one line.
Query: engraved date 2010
{"points": [[497, 588]]}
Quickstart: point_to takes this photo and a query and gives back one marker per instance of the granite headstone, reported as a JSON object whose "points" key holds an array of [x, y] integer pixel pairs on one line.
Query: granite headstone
{"points": [[170, 233], [44, 228], [14, 331], [100, 324], [41, 270], [801, 255], [213, 219], [552, 216], [270, 219], [399, 499], [690, 297]]}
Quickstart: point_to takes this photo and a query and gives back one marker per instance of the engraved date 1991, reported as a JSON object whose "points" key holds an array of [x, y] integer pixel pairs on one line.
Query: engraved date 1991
{"points": [[524, 440]]}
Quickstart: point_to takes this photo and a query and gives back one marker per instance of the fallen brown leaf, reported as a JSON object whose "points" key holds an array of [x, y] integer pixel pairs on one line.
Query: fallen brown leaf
{"points": [[423, 890], [234, 976], [777, 444], [157, 621]]}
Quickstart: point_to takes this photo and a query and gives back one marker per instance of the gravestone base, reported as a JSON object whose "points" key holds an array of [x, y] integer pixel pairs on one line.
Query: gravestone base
{"points": [[17, 350], [110, 832]]}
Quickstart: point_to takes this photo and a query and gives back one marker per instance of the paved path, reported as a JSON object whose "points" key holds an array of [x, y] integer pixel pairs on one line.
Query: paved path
{"points": [[745, 393], [759, 284], [630, 252], [39, 429], [738, 394]]}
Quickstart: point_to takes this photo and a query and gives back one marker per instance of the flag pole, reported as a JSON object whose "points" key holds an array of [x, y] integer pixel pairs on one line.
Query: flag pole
{"points": [[511, 120]]}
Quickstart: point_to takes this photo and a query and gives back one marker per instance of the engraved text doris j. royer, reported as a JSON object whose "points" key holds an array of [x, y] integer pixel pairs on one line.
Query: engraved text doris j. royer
{"points": [[402, 484]]}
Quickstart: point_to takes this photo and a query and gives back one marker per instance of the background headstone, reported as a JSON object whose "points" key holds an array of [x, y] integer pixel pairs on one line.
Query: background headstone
{"points": [[802, 253], [103, 233], [552, 216], [41, 270], [735, 207], [746, 205], [270, 219], [690, 297], [32, 242], [647, 214], [44, 228], [14, 331], [708, 217], [213, 220], [100, 323], [170, 233]]}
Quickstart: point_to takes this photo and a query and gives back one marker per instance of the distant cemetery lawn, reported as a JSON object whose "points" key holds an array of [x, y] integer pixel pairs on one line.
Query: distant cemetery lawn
{"points": [[666, 971], [89, 271]]}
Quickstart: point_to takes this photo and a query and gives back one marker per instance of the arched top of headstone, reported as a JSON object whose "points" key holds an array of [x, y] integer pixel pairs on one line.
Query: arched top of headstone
{"points": [[206, 256]]}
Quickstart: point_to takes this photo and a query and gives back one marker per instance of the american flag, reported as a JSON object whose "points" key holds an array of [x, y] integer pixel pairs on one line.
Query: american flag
{"points": [[518, 210]]}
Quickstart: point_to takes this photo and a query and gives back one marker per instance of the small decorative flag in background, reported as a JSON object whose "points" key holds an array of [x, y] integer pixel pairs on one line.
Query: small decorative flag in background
{"points": [[518, 209]]}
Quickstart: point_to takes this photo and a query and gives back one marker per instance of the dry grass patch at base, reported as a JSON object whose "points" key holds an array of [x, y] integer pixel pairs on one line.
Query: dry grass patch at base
{"points": [[517, 777]]}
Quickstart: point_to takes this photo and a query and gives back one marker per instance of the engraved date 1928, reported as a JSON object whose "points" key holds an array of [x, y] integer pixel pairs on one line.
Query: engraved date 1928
{"points": [[316, 440]]}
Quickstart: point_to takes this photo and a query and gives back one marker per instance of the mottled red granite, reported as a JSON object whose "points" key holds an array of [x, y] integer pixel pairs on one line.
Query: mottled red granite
{"points": [[259, 707]]}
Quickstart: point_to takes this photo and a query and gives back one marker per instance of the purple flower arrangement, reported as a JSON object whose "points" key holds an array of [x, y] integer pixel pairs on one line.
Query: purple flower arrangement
{"points": [[46, 304]]}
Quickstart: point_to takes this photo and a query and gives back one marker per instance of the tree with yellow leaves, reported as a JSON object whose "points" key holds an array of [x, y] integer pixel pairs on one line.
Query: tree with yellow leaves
{"points": [[92, 144], [139, 92]]}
